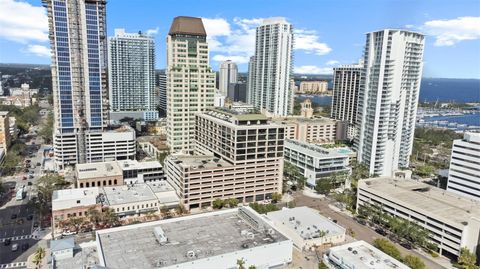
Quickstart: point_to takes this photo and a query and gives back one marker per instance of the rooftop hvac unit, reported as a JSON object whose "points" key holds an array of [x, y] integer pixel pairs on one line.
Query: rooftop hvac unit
{"points": [[271, 231], [250, 235], [191, 254]]}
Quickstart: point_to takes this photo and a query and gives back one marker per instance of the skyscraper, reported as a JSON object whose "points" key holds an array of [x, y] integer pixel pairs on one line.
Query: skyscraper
{"points": [[388, 99], [131, 76], [79, 82], [272, 67], [190, 81], [228, 74], [162, 93], [346, 84], [250, 79]]}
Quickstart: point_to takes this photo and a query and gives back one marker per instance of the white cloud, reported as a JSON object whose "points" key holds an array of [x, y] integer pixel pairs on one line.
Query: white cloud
{"points": [[22, 22], [332, 62], [151, 32], [312, 69], [308, 41], [450, 32], [38, 50], [409, 26], [234, 58], [216, 27], [236, 40]]}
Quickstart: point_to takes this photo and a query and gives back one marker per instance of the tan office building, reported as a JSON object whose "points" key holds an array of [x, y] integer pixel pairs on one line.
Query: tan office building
{"points": [[314, 130], [242, 158], [314, 87], [4, 131]]}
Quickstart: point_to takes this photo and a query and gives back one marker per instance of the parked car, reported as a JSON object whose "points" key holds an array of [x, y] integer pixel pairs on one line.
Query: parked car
{"points": [[67, 233], [406, 245], [381, 231], [361, 221], [29, 183], [29, 217], [7, 242], [14, 247], [38, 164], [13, 216]]}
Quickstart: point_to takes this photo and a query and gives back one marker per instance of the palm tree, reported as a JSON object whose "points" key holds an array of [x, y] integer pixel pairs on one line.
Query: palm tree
{"points": [[109, 217], [241, 263], [38, 256], [94, 215]]}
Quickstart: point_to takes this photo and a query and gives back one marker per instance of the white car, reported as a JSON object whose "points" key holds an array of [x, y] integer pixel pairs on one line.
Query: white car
{"points": [[67, 233], [15, 247]]}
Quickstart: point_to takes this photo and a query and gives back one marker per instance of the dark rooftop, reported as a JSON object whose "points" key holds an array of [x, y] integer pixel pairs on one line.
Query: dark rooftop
{"points": [[187, 26]]}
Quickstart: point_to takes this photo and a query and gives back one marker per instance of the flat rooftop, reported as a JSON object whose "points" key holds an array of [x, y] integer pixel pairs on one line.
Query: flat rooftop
{"points": [[361, 255], [425, 198], [194, 162], [233, 116], [135, 165], [164, 192], [207, 235], [300, 119], [158, 141], [70, 198], [126, 194], [317, 150], [96, 170], [306, 222], [84, 256]]}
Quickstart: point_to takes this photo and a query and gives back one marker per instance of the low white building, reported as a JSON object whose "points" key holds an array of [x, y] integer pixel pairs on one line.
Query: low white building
{"points": [[315, 161], [166, 194], [62, 249], [361, 255], [141, 172], [306, 227], [452, 219], [209, 240], [130, 199]]}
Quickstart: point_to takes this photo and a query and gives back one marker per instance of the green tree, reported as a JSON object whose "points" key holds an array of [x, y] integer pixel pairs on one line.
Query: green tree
{"points": [[109, 217], [45, 187], [467, 259], [181, 209], [413, 262], [241, 263], [94, 215], [38, 256], [276, 197], [263, 209], [46, 130], [292, 173], [388, 247], [231, 202], [217, 203], [323, 186]]}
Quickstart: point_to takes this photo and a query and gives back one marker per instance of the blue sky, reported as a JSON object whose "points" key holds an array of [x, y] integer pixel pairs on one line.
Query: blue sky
{"points": [[328, 33]]}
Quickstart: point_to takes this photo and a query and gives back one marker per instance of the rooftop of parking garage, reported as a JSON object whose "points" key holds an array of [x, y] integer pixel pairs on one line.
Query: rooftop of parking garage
{"points": [[422, 197], [194, 162]]}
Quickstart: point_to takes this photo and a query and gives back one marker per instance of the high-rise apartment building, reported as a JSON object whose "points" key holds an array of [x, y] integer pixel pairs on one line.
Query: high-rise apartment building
{"points": [[79, 81], [190, 81], [162, 93], [388, 99], [242, 158], [346, 85], [250, 79], [464, 171], [131, 76], [228, 74], [272, 67]]}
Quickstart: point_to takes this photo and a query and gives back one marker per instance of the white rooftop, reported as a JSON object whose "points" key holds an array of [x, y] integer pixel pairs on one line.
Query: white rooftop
{"points": [[189, 239], [361, 255], [71, 198], [164, 192], [317, 150], [95, 170], [128, 194], [135, 165], [306, 222]]}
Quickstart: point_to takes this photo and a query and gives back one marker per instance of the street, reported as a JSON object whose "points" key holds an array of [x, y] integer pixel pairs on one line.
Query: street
{"points": [[361, 232], [17, 219]]}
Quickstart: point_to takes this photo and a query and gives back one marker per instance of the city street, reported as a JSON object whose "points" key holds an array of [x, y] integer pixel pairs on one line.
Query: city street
{"points": [[361, 232], [17, 218]]}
